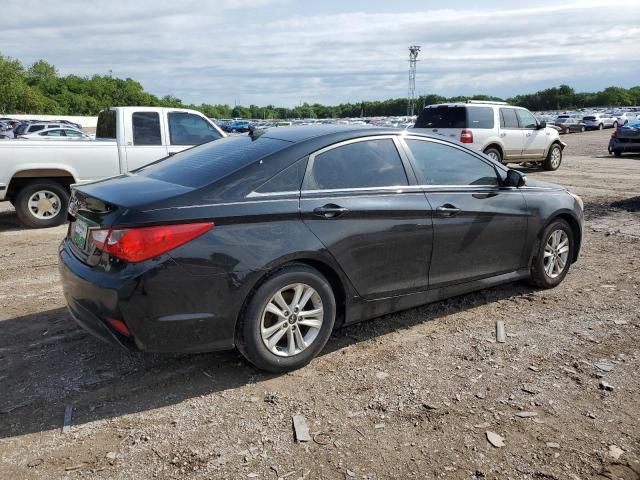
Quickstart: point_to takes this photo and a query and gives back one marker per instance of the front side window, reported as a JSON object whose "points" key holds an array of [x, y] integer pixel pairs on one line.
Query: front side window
{"points": [[526, 119], [189, 129], [508, 118], [146, 128], [439, 164], [53, 133], [365, 164], [72, 133]]}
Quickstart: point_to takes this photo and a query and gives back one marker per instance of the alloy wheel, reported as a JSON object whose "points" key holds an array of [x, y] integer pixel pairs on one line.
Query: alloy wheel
{"points": [[556, 253], [44, 204], [291, 320], [556, 157]]}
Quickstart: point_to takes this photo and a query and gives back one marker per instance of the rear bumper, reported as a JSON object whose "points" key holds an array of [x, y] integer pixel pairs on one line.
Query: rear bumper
{"points": [[165, 308]]}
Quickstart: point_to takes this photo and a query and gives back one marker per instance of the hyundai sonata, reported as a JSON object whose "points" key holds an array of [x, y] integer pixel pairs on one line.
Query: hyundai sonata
{"points": [[269, 242]]}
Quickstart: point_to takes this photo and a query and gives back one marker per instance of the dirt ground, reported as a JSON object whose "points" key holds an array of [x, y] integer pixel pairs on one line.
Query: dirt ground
{"points": [[409, 395]]}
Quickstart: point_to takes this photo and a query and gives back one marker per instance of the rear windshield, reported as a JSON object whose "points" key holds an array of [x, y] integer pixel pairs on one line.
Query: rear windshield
{"points": [[455, 117], [200, 166], [589, 118]]}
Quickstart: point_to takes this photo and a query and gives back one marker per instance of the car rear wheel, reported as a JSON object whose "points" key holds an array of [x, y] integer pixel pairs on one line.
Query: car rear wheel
{"points": [[617, 153], [553, 256], [554, 158], [41, 204], [494, 154], [288, 320], [615, 124], [582, 129], [600, 126]]}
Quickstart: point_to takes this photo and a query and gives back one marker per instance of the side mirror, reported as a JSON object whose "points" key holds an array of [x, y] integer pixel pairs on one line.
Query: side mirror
{"points": [[542, 124], [515, 179]]}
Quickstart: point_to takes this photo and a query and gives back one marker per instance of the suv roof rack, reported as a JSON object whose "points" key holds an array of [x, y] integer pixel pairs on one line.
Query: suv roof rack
{"points": [[491, 102]]}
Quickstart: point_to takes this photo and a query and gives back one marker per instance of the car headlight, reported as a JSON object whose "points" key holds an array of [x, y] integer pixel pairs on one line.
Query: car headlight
{"points": [[578, 199]]}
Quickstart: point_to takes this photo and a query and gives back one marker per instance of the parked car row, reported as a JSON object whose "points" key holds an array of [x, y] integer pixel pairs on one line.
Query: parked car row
{"points": [[28, 129]]}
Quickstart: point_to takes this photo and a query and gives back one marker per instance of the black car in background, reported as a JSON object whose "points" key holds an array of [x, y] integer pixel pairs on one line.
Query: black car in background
{"points": [[267, 243]]}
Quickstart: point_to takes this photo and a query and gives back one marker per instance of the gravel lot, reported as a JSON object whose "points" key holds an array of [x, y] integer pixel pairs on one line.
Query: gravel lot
{"points": [[407, 395]]}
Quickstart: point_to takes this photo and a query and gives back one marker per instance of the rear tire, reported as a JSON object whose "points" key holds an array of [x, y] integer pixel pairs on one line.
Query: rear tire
{"points": [[494, 154], [553, 257], [554, 158], [42, 204], [260, 324], [617, 153], [600, 127]]}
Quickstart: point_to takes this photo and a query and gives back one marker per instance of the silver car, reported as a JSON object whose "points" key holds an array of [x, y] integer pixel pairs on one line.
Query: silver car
{"points": [[598, 121], [505, 133]]}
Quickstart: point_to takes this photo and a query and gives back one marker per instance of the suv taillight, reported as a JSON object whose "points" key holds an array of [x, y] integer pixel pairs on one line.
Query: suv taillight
{"points": [[142, 243], [466, 136]]}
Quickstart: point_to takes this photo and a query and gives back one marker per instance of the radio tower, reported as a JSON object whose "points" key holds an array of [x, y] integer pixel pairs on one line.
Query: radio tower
{"points": [[413, 58]]}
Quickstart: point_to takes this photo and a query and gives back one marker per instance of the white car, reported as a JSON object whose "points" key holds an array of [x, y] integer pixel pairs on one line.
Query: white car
{"points": [[505, 133], [67, 133], [626, 117]]}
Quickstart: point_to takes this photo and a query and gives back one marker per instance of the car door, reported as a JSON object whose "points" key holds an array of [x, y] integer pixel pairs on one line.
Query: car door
{"points": [[144, 144], [536, 141], [511, 135], [479, 227], [186, 130], [356, 199]]}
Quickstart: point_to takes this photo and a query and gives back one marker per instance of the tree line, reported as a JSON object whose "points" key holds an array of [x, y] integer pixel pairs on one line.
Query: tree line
{"points": [[39, 89]]}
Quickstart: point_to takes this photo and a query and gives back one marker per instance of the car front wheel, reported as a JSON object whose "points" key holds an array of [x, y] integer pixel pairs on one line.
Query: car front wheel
{"points": [[288, 320], [553, 257], [554, 158]]}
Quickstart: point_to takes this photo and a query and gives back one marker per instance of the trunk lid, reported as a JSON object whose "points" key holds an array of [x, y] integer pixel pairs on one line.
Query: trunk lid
{"points": [[101, 204]]}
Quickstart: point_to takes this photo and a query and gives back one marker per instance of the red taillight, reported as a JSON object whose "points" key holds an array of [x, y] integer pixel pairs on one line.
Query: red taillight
{"points": [[466, 136], [614, 134], [119, 326], [143, 243]]}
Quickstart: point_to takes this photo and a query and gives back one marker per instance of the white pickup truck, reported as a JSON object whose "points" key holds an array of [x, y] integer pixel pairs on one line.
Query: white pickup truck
{"points": [[35, 175]]}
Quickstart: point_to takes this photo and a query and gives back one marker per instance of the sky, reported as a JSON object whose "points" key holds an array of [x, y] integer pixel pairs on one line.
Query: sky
{"points": [[284, 52]]}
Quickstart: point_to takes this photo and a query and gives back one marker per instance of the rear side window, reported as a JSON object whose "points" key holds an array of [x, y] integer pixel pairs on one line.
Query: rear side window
{"points": [[36, 128], [442, 117], [438, 164], [508, 118], [146, 128], [213, 161], [189, 129], [480, 117], [369, 163], [106, 124], [288, 180]]}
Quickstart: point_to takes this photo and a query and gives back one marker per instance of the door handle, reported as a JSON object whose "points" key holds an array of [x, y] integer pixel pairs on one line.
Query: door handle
{"points": [[503, 134], [529, 134], [330, 210], [447, 210]]}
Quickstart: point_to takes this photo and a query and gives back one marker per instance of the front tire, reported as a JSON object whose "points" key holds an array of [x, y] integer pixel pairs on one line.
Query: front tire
{"points": [[288, 320], [553, 257], [42, 204], [554, 158]]}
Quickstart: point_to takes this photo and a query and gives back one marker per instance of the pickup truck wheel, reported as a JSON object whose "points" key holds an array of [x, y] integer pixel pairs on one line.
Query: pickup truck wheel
{"points": [[42, 204], [554, 158]]}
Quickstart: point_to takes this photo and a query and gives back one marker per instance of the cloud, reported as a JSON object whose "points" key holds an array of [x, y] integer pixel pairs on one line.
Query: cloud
{"points": [[283, 52]]}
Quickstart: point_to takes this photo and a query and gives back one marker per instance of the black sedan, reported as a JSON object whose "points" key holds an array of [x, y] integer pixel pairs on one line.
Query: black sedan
{"points": [[269, 242]]}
